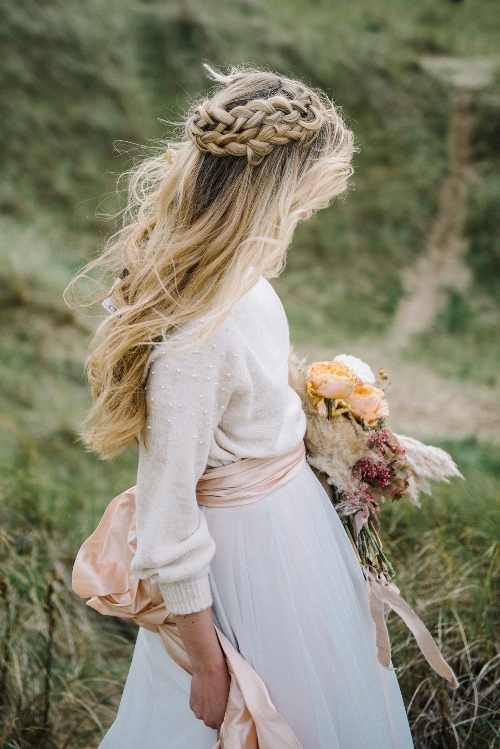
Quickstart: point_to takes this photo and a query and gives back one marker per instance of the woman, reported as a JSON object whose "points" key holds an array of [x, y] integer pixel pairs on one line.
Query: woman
{"points": [[193, 365]]}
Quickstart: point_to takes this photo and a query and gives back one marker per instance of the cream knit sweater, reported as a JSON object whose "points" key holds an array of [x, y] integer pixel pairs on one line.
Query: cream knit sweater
{"points": [[229, 400]]}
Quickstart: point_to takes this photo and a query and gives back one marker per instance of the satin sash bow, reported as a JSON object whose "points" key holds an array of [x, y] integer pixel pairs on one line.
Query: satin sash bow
{"points": [[385, 596], [102, 572]]}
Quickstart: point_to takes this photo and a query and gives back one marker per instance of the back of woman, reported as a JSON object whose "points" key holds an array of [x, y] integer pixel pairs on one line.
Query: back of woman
{"points": [[232, 526]]}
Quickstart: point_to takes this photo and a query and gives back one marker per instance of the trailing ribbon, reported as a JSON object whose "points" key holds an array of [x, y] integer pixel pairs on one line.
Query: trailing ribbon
{"points": [[102, 572], [385, 596], [251, 720]]}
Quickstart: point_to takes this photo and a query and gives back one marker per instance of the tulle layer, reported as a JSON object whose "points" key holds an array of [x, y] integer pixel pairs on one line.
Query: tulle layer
{"points": [[289, 594]]}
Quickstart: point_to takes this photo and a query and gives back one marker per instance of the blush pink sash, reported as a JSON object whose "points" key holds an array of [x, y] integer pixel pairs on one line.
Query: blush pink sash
{"points": [[102, 573], [248, 480]]}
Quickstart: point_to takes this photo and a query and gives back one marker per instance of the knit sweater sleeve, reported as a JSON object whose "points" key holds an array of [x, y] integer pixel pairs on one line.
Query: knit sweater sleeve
{"points": [[186, 396]]}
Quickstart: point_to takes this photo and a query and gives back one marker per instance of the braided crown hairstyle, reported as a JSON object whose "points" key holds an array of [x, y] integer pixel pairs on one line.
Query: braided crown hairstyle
{"points": [[253, 129], [208, 214]]}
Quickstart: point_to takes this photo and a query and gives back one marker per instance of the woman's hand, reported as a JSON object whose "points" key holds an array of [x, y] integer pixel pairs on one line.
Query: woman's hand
{"points": [[210, 682], [209, 693]]}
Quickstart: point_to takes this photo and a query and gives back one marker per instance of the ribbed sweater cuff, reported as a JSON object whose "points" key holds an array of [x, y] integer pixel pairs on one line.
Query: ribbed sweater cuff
{"points": [[187, 596]]}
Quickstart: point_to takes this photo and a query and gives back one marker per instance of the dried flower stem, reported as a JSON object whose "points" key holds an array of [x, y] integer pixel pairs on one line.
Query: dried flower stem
{"points": [[50, 611], [5, 649]]}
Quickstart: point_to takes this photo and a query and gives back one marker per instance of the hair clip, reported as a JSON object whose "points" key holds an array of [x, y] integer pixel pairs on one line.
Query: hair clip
{"points": [[109, 303]]}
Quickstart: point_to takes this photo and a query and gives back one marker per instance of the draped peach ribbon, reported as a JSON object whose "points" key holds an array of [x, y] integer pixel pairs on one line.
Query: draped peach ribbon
{"points": [[383, 597], [102, 573]]}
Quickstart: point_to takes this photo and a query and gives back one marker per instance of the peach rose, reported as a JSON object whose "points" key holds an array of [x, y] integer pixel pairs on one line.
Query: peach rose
{"points": [[330, 379], [368, 404]]}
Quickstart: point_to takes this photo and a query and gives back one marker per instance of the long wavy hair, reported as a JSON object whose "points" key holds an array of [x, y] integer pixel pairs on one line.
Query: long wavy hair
{"points": [[207, 216]]}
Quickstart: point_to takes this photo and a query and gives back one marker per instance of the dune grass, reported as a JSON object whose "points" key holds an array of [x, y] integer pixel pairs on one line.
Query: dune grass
{"points": [[448, 563], [62, 669]]}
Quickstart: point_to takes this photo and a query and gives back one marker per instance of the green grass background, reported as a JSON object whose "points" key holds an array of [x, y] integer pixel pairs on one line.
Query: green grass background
{"points": [[79, 77]]}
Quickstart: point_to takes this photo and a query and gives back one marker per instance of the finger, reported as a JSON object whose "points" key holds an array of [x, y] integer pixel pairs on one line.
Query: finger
{"points": [[212, 724]]}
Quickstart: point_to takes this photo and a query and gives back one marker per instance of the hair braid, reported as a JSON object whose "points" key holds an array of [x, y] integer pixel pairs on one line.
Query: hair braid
{"points": [[255, 128]]}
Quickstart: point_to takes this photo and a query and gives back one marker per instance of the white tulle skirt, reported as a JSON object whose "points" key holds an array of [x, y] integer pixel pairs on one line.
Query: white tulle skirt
{"points": [[289, 594]]}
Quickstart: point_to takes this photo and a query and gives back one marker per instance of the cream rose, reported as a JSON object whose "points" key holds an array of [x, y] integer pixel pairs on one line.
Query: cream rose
{"points": [[358, 366], [368, 404]]}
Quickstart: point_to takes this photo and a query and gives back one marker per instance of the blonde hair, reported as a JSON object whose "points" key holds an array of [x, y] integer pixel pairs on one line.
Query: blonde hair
{"points": [[205, 220]]}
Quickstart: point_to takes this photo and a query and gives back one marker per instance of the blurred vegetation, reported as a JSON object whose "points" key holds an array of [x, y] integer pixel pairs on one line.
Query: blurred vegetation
{"points": [[61, 669], [483, 227], [70, 87], [448, 556], [78, 78]]}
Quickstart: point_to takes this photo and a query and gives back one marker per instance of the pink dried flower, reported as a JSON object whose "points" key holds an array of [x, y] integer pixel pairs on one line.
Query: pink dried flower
{"points": [[386, 471]]}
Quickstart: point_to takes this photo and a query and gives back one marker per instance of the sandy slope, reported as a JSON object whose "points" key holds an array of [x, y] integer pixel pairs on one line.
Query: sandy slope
{"points": [[442, 264]]}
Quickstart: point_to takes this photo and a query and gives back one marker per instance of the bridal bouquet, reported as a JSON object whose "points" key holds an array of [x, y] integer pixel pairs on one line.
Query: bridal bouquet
{"points": [[360, 461]]}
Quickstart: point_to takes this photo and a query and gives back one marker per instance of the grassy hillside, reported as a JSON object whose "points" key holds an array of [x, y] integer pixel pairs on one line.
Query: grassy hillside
{"points": [[76, 78]]}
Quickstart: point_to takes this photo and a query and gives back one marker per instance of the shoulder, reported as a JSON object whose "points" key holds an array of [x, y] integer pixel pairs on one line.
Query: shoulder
{"points": [[261, 294], [261, 310], [260, 301]]}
